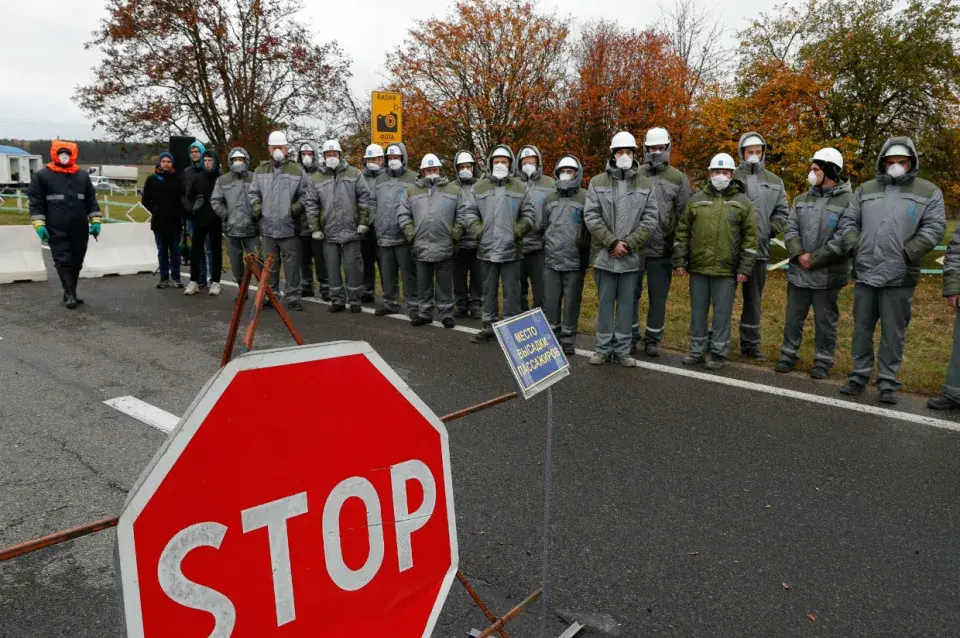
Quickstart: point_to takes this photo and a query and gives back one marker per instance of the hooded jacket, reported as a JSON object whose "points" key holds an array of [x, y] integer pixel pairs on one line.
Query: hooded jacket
{"points": [[539, 186], [811, 228], [768, 195], [565, 238], [620, 206], [275, 197], [468, 241], [231, 202], [892, 223], [63, 197], [201, 193], [390, 184], [187, 175], [499, 213], [301, 227], [672, 189], [951, 266], [428, 216], [717, 233], [370, 178], [340, 203], [161, 197]]}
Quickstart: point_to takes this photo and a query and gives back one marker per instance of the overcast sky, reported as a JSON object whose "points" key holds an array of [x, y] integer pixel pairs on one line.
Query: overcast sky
{"points": [[40, 71]]}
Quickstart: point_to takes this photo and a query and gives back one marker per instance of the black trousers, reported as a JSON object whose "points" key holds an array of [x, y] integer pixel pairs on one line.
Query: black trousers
{"points": [[197, 245]]}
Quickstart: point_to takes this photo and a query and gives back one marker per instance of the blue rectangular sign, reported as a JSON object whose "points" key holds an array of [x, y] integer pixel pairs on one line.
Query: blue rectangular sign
{"points": [[532, 350]]}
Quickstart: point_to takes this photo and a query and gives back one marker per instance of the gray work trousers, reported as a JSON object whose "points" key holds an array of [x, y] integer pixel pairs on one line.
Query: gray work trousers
{"points": [[397, 262], [659, 274], [435, 279], [951, 388], [616, 293], [706, 291], [506, 274], [467, 280], [311, 256], [563, 288], [531, 270], [236, 248], [349, 254], [891, 306], [750, 317], [288, 249], [825, 315]]}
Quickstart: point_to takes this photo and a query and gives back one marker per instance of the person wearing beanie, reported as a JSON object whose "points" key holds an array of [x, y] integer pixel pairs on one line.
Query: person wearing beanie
{"points": [[161, 197]]}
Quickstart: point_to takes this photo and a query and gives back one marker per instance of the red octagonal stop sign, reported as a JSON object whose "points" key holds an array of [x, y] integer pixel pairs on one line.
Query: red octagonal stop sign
{"points": [[306, 492]]}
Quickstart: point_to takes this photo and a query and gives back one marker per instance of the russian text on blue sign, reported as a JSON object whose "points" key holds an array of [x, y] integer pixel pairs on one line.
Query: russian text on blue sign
{"points": [[532, 350]]}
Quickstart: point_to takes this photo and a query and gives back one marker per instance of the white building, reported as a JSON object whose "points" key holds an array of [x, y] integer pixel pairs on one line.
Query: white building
{"points": [[17, 166]]}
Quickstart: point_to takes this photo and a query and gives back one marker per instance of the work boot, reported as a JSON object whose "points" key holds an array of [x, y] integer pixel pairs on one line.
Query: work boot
{"points": [[597, 359], [851, 388], [569, 348], [652, 350], [355, 308], [755, 354], [626, 361], [942, 402], [413, 314], [76, 284], [337, 307], [691, 360], [715, 363], [383, 312], [306, 292], [192, 289], [295, 304], [448, 322], [482, 337], [69, 294], [818, 373], [889, 396], [460, 313], [783, 367], [325, 295], [476, 313], [420, 321], [368, 297]]}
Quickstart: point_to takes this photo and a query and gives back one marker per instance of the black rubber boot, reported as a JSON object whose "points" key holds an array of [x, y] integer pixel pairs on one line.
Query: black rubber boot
{"points": [[76, 282], [69, 292]]}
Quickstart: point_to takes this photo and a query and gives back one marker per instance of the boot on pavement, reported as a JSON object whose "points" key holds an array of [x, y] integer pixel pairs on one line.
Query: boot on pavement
{"points": [[942, 402]]}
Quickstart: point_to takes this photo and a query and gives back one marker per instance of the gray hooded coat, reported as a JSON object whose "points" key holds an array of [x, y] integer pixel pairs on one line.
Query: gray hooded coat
{"points": [[231, 201], [309, 170], [673, 192], [565, 238], [499, 213], [539, 186], [892, 223], [274, 195], [768, 195], [390, 185], [620, 206], [428, 216], [468, 241], [811, 228]]}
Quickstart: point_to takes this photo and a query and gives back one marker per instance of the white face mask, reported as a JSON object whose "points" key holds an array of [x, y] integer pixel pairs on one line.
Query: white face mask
{"points": [[529, 169], [373, 167], [624, 162], [566, 176], [753, 159], [395, 165], [812, 178], [896, 170], [433, 179], [64, 158], [465, 173], [720, 182], [307, 160], [333, 162], [500, 171], [277, 155]]}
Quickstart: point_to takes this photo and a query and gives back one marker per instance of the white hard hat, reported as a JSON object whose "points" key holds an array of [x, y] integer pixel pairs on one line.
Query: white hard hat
{"points": [[657, 137], [306, 147], [502, 151], [430, 161], [464, 157], [623, 140], [527, 152], [393, 149], [277, 138], [722, 160], [831, 155], [898, 149], [332, 145], [374, 150], [568, 162], [238, 153], [753, 140]]}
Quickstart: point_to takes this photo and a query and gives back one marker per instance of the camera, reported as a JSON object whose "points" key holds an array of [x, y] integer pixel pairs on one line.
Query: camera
{"points": [[387, 123]]}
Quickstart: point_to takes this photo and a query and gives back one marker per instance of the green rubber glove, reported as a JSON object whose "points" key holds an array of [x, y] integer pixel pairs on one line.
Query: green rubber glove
{"points": [[95, 229], [43, 233]]}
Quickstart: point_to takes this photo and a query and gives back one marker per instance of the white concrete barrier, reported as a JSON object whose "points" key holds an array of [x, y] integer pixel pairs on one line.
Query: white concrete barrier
{"points": [[123, 249], [21, 258]]}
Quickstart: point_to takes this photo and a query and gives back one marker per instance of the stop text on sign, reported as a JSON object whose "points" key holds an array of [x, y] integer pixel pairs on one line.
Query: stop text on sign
{"points": [[273, 516]]}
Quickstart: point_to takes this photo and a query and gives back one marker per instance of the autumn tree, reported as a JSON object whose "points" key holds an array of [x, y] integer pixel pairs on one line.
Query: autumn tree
{"points": [[229, 70], [491, 72]]}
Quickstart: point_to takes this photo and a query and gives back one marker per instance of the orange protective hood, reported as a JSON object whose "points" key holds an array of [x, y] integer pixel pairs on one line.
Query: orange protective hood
{"points": [[56, 145]]}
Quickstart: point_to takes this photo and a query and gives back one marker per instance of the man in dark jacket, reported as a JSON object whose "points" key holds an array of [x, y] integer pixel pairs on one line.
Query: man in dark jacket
{"points": [[467, 278], [231, 202], [186, 179], [63, 209], [206, 224], [161, 197]]}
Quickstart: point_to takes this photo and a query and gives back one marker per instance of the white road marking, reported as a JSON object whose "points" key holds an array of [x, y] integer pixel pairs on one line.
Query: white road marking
{"points": [[737, 383], [146, 413]]}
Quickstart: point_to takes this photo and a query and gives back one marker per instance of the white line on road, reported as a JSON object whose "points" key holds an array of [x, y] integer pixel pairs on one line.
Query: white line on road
{"points": [[146, 413], [737, 383]]}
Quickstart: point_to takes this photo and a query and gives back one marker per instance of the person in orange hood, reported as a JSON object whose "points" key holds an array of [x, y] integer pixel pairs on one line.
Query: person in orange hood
{"points": [[64, 212]]}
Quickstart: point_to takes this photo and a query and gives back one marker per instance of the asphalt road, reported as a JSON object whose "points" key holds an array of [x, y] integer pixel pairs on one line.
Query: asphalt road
{"points": [[682, 507]]}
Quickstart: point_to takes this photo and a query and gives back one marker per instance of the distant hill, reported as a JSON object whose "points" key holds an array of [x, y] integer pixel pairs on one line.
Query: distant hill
{"points": [[96, 152]]}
